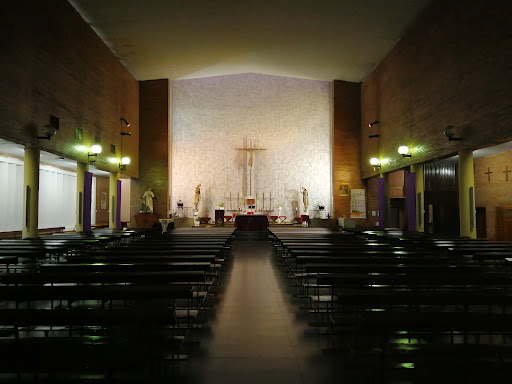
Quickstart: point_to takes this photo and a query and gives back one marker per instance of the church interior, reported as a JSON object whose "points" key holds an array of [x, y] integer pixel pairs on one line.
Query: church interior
{"points": [[203, 192]]}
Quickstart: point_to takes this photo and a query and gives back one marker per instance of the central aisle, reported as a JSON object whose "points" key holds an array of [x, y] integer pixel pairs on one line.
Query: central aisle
{"points": [[256, 336]]}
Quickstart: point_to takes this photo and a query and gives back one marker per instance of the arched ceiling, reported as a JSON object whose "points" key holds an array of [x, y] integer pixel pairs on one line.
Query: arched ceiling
{"points": [[312, 39]]}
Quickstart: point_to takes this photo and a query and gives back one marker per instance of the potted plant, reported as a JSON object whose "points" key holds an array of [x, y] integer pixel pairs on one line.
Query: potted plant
{"points": [[221, 205]]}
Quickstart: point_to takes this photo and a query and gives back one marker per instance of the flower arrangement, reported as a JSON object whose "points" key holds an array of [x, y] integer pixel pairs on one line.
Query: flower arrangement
{"points": [[319, 207]]}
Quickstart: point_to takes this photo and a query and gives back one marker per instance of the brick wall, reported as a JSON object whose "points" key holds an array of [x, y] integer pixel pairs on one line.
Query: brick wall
{"points": [[493, 191], [53, 63], [451, 68], [154, 147], [346, 149]]}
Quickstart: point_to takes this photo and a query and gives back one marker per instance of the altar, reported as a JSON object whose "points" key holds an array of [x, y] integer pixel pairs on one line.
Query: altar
{"points": [[251, 222]]}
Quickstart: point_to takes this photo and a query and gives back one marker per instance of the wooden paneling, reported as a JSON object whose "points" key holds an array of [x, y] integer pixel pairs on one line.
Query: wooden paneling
{"points": [[154, 146], [346, 148]]}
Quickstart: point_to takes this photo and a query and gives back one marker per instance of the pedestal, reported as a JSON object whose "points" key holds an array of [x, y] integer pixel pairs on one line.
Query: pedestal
{"points": [[145, 220], [197, 220], [219, 217], [165, 223]]}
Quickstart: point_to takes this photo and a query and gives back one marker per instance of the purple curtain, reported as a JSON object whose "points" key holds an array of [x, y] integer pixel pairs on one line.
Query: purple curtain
{"points": [[382, 203], [118, 205], [410, 201], [87, 200]]}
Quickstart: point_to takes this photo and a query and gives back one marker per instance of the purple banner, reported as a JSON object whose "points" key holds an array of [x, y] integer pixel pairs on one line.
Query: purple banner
{"points": [[410, 201], [87, 200], [118, 205], [382, 203]]}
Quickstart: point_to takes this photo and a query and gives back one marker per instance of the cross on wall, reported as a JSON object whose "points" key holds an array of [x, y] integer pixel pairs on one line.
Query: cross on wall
{"points": [[506, 172], [488, 173]]}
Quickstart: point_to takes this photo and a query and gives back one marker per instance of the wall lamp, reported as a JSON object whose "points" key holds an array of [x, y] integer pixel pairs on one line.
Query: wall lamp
{"points": [[48, 131], [449, 132], [374, 123], [95, 150], [124, 121], [373, 136], [375, 162], [124, 162], [404, 151]]}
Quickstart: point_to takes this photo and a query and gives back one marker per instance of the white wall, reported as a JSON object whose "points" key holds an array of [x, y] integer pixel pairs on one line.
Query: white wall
{"points": [[11, 194], [288, 117], [57, 196]]}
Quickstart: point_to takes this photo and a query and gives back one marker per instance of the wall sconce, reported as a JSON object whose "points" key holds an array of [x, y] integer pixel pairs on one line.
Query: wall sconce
{"points": [[48, 131], [124, 121], [374, 123], [95, 150], [373, 136], [124, 162], [375, 162], [404, 151], [126, 133], [449, 132]]}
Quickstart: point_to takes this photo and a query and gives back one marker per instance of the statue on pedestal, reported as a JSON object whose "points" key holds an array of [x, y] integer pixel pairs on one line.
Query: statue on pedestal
{"points": [[197, 197], [305, 199], [147, 201]]}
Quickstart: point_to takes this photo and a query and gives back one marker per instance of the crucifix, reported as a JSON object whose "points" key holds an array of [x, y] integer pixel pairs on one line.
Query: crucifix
{"points": [[506, 172], [488, 173], [250, 150]]}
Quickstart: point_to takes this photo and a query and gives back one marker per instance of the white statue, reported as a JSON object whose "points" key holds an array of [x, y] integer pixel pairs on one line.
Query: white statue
{"points": [[147, 201]]}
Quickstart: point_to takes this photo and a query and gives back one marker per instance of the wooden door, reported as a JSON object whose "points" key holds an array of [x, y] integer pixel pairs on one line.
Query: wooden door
{"points": [[504, 223], [481, 223]]}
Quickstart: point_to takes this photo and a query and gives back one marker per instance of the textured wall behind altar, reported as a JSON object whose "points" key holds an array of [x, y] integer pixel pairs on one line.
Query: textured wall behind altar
{"points": [[288, 117]]}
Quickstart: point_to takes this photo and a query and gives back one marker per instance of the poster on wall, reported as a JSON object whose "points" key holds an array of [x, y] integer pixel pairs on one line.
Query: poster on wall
{"points": [[103, 200], [357, 204]]}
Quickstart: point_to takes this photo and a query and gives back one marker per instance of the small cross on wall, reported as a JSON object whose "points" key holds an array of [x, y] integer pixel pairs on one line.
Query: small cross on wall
{"points": [[506, 172], [488, 173]]}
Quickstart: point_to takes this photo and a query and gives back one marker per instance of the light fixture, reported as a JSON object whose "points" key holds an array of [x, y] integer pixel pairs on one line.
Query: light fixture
{"points": [[404, 151], [126, 133], [372, 124], [373, 136], [124, 121], [375, 162], [449, 132], [48, 131], [95, 150], [124, 162]]}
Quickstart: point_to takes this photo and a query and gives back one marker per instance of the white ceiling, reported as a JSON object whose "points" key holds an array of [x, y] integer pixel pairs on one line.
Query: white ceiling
{"points": [[312, 39]]}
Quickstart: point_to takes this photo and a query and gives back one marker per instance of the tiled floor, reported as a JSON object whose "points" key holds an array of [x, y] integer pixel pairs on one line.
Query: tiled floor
{"points": [[256, 335]]}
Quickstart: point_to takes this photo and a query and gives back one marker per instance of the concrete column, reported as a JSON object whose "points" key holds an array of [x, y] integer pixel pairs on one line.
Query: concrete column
{"points": [[81, 168], [31, 194], [467, 211], [420, 197], [112, 215]]}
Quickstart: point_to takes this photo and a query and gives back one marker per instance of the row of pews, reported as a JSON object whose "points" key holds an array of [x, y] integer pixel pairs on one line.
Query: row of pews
{"points": [[107, 306], [406, 307]]}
